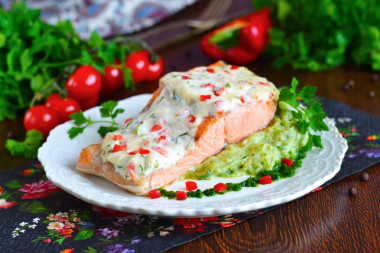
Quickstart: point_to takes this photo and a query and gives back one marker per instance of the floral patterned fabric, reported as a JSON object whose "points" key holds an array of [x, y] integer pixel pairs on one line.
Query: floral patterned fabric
{"points": [[36, 214], [107, 17]]}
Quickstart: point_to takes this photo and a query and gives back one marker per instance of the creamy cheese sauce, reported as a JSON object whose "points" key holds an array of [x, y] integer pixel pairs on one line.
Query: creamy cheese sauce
{"points": [[158, 137]]}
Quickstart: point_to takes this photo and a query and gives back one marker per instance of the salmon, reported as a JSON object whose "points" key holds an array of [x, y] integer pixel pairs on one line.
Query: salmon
{"points": [[211, 137]]}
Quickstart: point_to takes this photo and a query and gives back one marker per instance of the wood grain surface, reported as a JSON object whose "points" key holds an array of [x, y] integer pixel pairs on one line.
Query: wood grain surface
{"points": [[325, 221]]}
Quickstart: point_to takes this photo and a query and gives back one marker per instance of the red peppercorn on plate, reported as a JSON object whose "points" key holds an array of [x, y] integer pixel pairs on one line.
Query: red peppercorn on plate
{"points": [[59, 156]]}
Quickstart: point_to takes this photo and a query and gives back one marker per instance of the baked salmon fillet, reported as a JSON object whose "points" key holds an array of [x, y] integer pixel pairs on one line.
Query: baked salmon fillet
{"points": [[191, 116]]}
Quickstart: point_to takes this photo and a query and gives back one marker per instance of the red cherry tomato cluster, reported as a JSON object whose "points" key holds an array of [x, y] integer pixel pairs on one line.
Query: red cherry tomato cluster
{"points": [[85, 86], [55, 111], [143, 69]]}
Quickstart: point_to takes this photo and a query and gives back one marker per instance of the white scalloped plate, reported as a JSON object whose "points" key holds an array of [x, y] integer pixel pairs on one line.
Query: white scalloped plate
{"points": [[59, 155]]}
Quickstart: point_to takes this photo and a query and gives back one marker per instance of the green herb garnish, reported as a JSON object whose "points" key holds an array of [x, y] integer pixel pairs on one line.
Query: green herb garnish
{"points": [[317, 35], [107, 110], [309, 116], [27, 148], [36, 58]]}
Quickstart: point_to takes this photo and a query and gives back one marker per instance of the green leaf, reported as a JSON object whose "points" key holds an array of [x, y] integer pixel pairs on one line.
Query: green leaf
{"points": [[79, 118], [89, 250], [307, 93], [75, 131], [103, 130], [14, 184], [95, 40], [34, 207], [107, 108], [84, 234], [99, 67], [37, 83], [317, 141], [117, 112], [2, 40], [86, 58], [29, 147], [294, 84], [128, 80], [25, 61]]}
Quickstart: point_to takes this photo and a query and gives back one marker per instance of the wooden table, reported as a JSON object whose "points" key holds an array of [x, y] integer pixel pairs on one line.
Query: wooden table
{"points": [[326, 221]]}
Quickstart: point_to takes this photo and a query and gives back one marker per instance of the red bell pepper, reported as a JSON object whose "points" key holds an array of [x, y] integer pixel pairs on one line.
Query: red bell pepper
{"points": [[239, 41]]}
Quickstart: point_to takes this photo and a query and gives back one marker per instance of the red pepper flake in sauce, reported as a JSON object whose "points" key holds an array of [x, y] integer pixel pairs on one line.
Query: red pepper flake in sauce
{"points": [[154, 194], [162, 151], [234, 67], [132, 153], [131, 169], [204, 97], [262, 83], [271, 95], [242, 99], [117, 148], [143, 151], [191, 118], [117, 137], [227, 72], [219, 91], [128, 120], [212, 71], [156, 128], [207, 85], [162, 140], [185, 77]]}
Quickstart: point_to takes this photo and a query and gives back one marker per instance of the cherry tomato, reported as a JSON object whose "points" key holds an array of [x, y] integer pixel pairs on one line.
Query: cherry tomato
{"points": [[87, 104], [112, 80], [84, 84], [138, 62], [63, 106], [155, 69], [41, 118]]}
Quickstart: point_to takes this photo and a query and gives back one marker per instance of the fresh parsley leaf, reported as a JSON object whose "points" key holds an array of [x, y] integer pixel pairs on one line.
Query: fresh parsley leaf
{"points": [[107, 108], [103, 130], [116, 112], [29, 147], [128, 80], [340, 31], [79, 118], [307, 111], [75, 131]]}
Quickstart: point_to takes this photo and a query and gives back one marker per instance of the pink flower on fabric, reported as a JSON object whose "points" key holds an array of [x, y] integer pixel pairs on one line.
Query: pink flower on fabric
{"points": [[5, 204], [38, 190]]}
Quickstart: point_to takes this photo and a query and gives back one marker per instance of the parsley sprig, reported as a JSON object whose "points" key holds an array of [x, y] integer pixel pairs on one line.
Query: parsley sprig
{"points": [[27, 148], [308, 112], [107, 110]]}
